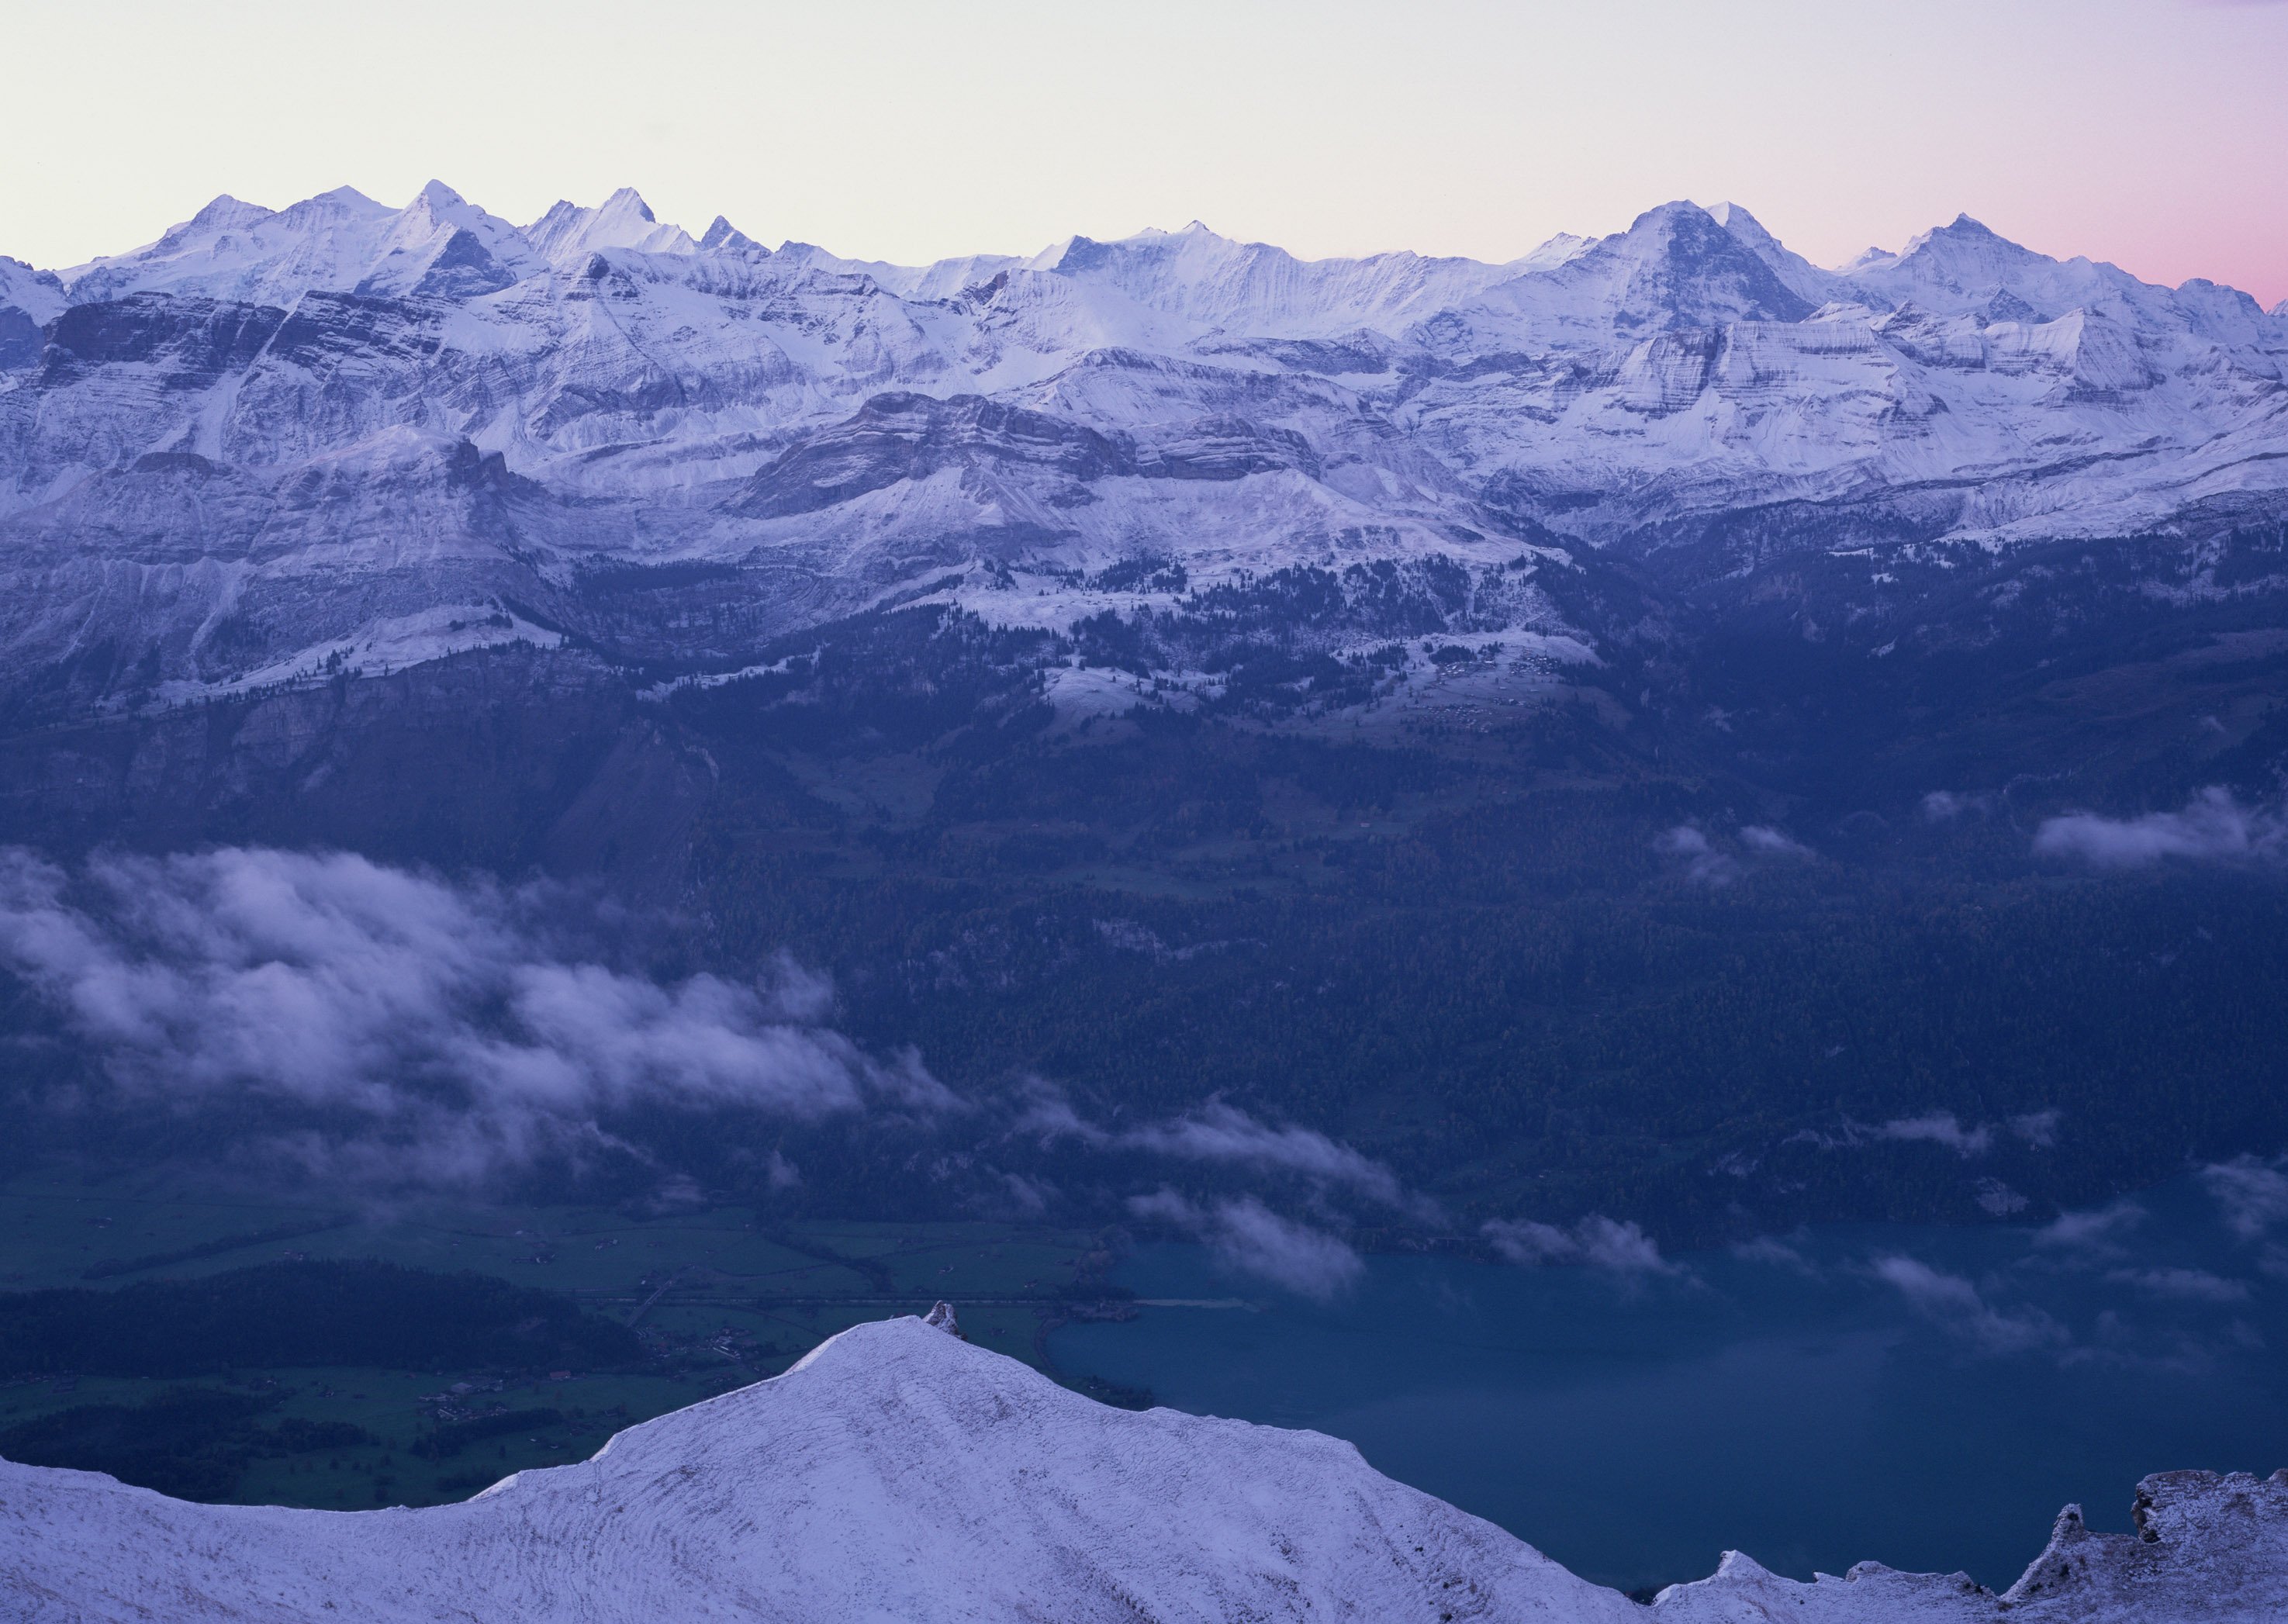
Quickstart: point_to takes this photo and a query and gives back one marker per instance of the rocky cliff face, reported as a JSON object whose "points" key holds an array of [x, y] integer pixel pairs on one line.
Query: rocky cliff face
{"points": [[269, 440], [899, 1472]]}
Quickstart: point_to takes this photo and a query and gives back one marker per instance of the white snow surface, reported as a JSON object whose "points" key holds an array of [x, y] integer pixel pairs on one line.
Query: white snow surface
{"points": [[895, 1473], [653, 399], [898, 1473]]}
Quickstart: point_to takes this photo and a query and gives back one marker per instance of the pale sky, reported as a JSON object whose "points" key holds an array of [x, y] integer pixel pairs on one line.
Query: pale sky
{"points": [[2153, 133]]}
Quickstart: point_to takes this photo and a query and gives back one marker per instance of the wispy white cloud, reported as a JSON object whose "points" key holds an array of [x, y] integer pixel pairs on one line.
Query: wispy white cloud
{"points": [[1946, 806], [1708, 861], [1768, 841], [1220, 1133], [2183, 1285], [1956, 1306], [1703, 864], [1777, 1254], [2037, 1128], [1942, 1128], [2214, 826], [2098, 1231], [1250, 1237], [2253, 1195], [1596, 1240], [439, 1020]]}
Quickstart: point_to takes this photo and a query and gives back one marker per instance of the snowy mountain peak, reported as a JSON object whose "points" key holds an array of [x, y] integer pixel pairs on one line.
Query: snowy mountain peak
{"points": [[897, 1472], [894, 1472], [39, 294], [1965, 241], [623, 220], [1740, 223], [225, 213], [1802, 278], [723, 234], [1556, 251], [442, 246], [438, 199], [1224, 403], [29, 300], [1674, 267]]}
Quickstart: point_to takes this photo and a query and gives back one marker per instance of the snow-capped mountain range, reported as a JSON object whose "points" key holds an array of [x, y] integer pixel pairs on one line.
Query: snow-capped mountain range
{"points": [[269, 438], [899, 1473]]}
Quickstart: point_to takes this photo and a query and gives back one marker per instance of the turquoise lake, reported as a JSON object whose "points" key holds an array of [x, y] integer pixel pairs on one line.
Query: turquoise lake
{"points": [[1927, 1398]]}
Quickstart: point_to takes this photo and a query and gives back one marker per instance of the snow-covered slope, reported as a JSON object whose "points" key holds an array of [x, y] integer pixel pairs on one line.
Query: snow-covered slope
{"points": [[816, 427], [2208, 1550], [898, 1473]]}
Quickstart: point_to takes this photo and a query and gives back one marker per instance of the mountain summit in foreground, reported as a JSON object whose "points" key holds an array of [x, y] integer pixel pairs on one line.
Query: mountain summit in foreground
{"points": [[899, 1473]]}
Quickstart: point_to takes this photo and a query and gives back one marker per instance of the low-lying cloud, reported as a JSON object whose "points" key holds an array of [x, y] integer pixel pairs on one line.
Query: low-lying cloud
{"points": [[1942, 1128], [2253, 1195], [1220, 1133], [1956, 1307], [1707, 862], [1946, 806], [1703, 864], [2214, 826], [2183, 1285], [2099, 1231], [1767, 842], [2037, 1128], [1250, 1237], [435, 1027], [1596, 1242]]}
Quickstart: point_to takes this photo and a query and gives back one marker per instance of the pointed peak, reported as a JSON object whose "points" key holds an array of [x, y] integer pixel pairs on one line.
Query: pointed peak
{"points": [[627, 198], [1745, 229], [723, 234], [1965, 232], [340, 202], [226, 211], [437, 194], [1556, 251]]}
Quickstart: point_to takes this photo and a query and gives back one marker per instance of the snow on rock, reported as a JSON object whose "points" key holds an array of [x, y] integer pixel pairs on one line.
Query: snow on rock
{"points": [[896, 1473], [623, 220], [2208, 1550], [853, 430], [246, 253]]}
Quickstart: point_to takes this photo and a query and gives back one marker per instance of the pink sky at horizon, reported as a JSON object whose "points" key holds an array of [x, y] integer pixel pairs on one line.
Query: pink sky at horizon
{"points": [[2150, 134]]}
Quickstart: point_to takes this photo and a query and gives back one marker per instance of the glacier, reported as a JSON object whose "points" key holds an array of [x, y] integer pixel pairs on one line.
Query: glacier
{"points": [[267, 438], [899, 1472]]}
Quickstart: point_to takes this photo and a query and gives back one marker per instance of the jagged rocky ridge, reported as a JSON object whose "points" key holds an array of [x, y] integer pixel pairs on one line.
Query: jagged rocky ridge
{"points": [[343, 436], [898, 1472]]}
